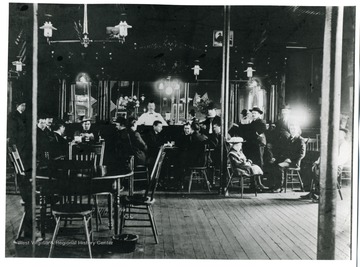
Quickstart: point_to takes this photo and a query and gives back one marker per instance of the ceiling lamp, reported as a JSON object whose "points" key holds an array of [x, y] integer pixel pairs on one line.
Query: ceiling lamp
{"points": [[18, 65], [196, 69], [48, 28], [249, 71]]}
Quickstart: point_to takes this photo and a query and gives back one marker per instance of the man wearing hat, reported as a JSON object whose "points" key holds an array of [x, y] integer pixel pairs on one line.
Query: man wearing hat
{"points": [[210, 119], [87, 131], [240, 164], [256, 139], [245, 117]]}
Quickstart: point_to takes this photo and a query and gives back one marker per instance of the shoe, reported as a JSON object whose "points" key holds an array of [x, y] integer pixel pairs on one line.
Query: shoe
{"points": [[278, 190], [262, 187], [315, 198], [307, 196]]}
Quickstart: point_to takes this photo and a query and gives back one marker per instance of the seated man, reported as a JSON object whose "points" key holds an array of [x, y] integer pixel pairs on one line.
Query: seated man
{"points": [[344, 157], [154, 140], [59, 145], [196, 156], [215, 143], [138, 145], [42, 139], [241, 165], [291, 156]]}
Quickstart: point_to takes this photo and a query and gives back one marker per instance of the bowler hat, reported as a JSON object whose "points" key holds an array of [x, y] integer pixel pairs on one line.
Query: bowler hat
{"points": [[211, 105], [84, 119], [257, 109], [235, 140], [244, 112]]}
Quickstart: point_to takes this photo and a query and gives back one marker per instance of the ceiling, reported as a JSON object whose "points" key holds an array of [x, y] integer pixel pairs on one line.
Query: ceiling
{"points": [[166, 40]]}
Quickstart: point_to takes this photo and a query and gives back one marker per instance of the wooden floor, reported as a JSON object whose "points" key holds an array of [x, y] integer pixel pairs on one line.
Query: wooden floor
{"points": [[208, 226]]}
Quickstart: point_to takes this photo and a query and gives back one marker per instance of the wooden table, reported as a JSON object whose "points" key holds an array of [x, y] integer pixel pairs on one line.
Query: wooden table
{"points": [[117, 179], [114, 177]]}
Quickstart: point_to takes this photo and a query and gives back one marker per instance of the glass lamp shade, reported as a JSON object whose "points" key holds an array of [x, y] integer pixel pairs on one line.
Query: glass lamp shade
{"points": [[249, 72], [196, 69], [168, 90], [123, 28], [48, 29]]}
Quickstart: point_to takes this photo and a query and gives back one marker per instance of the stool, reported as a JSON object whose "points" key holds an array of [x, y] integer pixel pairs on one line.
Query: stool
{"points": [[198, 174], [290, 175]]}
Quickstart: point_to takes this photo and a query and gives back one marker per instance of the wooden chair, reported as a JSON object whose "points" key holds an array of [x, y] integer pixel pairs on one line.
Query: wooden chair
{"points": [[19, 170], [142, 204], [292, 176], [71, 182], [243, 179], [199, 173]]}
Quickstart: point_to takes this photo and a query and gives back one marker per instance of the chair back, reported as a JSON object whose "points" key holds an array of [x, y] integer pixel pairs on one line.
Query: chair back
{"points": [[16, 160], [71, 180], [311, 144], [155, 174], [99, 150], [85, 152]]}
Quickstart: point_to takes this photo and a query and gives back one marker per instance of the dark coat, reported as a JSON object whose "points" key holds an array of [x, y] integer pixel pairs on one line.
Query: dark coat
{"points": [[208, 123], [153, 142], [139, 147], [16, 130], [42, 144], [59, 146], [256, 141], [295, 150], [196, 153]]}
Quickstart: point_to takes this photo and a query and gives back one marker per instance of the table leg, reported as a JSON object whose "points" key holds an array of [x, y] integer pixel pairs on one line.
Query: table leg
{"points": [[117, 207], [42, 215]]}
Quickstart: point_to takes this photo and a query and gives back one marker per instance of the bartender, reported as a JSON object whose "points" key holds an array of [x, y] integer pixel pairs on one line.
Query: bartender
{"points": [[87, 132], [149, 117]]}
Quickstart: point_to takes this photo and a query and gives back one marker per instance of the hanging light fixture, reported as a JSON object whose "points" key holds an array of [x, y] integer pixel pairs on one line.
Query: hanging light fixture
{"points": [[48, 28], [119, 31], [18, 65], [196, 69], [249, 71]]}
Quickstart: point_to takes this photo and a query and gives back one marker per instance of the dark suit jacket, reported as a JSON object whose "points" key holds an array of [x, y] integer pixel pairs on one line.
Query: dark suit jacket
{"points": [[196, 156], [139, 147], [295, 150], [208, 122], [58, 146], [16, 130], [153, 142]]}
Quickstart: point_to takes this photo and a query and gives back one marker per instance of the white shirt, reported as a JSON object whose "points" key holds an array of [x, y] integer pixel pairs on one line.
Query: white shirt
{"points": [[149, 118]]}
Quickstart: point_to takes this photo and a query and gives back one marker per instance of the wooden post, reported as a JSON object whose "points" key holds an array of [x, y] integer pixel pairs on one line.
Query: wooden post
{"points": [[330, 121], [225, 96], [34, 121]]}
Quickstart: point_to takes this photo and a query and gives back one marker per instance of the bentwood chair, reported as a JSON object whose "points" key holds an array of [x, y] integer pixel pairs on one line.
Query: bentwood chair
{"points": [[139, 207], [71, 183]]}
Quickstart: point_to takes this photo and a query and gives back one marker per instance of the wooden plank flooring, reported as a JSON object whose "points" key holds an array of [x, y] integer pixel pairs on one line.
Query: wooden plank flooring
{"points": [[208, 226]]}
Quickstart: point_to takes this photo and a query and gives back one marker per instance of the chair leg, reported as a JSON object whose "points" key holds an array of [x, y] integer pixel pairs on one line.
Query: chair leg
{"points": [[16, 183], [21, 227], [86, 221], [229, 182], [152, 212], [110, 210], [301, 182], [206, 180], [190, 181], [286, 180], [242, 186], [122, 218], [256, 184], [152, 221], [54, 236], [96, 213], [339, 190]]}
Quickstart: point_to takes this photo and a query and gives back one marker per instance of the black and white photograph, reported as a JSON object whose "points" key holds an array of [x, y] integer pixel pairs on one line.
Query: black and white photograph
{"points": [[179, 130]]}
